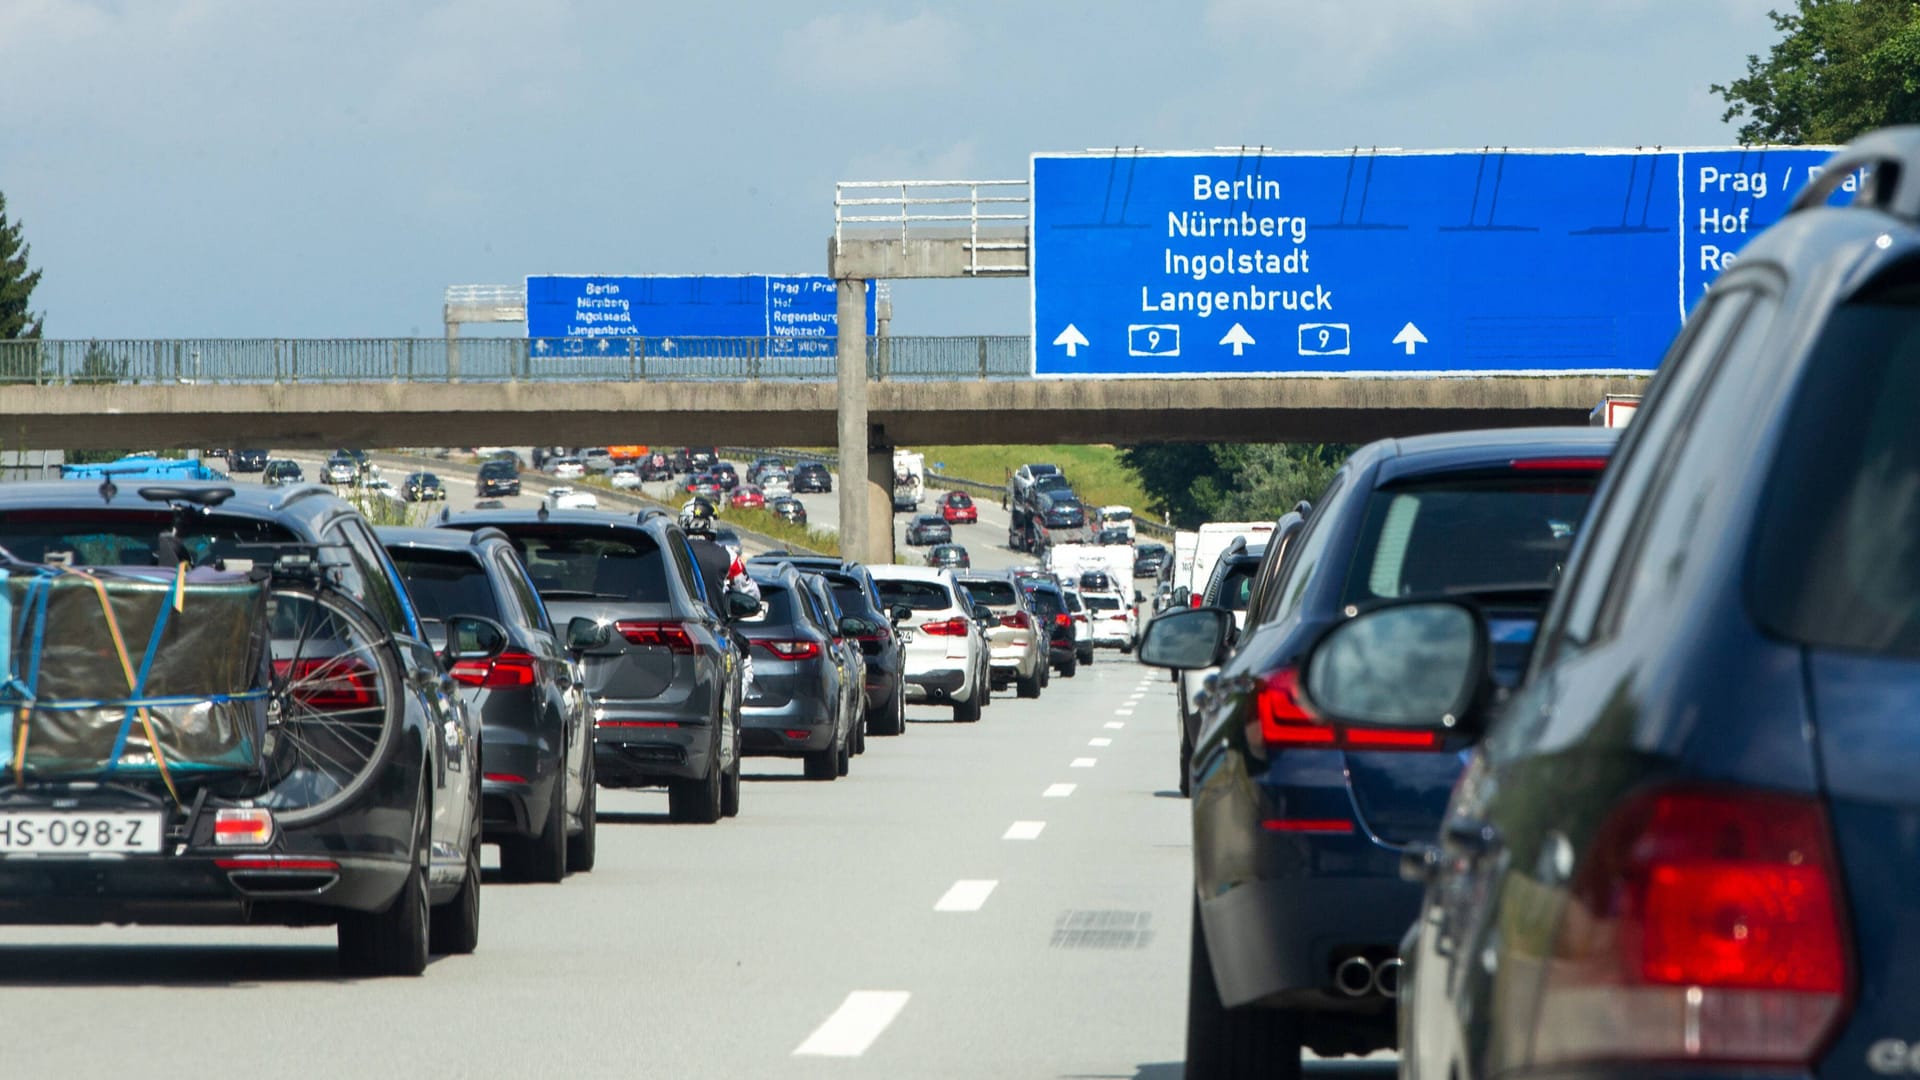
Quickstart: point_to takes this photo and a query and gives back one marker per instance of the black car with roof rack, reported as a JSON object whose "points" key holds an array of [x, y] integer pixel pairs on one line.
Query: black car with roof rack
{"points": [[283, 747]]}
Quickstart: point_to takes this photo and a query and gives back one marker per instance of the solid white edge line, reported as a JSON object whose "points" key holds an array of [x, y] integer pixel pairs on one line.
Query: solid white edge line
{"points": [[1058, 791], [1100, 742], [1082, 763], [854, 1025], [966, 895], [1024, 830]]}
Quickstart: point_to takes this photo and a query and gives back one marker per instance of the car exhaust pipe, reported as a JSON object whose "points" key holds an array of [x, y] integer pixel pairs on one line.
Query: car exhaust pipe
{"points": [[1386, 978], [1354, 976]]}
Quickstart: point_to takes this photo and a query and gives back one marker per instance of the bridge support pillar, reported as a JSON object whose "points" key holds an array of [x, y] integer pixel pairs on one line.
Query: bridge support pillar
{"points": [[879, 496], [850, 363]]}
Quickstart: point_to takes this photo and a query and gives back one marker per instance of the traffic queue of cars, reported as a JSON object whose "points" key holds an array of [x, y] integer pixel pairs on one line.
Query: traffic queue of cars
{"points": [[1531, 755]]}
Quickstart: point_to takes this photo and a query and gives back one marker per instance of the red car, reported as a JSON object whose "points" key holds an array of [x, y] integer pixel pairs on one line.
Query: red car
{"points": [[750, 497], [957, 507]]}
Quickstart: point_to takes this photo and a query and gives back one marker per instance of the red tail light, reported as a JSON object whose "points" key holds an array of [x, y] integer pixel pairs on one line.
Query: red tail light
{"points": [[1063, 619], [328, 683], [1561, 464], [954, 627], [1018, 620], [789, 650], [1194, 599], [503, 672], [1703, 926], [671, 636], [1281, 722], [503, 778], [878, 638]]}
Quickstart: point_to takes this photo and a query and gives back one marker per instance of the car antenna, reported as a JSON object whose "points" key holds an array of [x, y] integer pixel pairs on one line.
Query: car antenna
{"points": [[108, 489], [542, 512], [446, 514]]}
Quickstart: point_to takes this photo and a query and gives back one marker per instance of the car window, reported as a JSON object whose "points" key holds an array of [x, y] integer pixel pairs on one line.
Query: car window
{"points": [[1453, 535], [103, 537], [1660, 420], [990, 592], [776, 605], [446, 583], [918, 595], [1047, 603], [1837, 563], [382, 596], [627, 566], [521, 593], [1309, 548], [1102, 602], [1236, 586]]}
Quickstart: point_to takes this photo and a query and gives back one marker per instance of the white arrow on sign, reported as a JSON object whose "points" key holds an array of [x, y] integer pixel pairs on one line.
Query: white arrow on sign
{"points": [[1410, 336], [1238, 338], [1073, 339], [667, 345]]}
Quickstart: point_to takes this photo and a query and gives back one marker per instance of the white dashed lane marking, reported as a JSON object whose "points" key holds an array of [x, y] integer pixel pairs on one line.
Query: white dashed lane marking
{"points": [[1123, 712], [1083, 763], [1116, 725], [966, 896], [1099, 742], [1024, 830], [855, 1024], [1058, 791]]}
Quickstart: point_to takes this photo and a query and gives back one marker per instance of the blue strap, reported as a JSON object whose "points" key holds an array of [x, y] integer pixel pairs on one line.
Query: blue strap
{"points": [[146, 668]]}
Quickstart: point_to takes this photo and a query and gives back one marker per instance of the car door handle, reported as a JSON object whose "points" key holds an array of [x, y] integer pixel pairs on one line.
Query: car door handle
{"points": [[1472, 836]]}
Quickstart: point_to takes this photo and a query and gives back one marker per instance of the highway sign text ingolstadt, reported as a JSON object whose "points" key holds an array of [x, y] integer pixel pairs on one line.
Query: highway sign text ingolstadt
{"points": [[1387, 263], [796, 313]]}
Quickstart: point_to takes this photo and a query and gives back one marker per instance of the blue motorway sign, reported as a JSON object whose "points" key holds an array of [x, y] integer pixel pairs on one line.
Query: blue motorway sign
{"points": [[797, 313], [1387, 263]]}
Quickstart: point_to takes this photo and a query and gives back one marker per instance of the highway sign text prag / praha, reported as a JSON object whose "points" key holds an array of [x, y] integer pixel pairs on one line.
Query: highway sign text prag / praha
{"points": [[795, 313], [1388, 262]]}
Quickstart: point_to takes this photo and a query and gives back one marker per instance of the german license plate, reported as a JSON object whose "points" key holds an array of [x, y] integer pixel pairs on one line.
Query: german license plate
{"points": [[68, 832]]}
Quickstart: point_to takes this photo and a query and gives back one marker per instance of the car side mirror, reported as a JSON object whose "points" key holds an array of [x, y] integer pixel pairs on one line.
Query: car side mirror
{"points": [[1187, 638], [983, 614], [472, 637], [1138, 598], [851, 627], [584, 634], [1418, 665], [742, 606], [900, 613]]}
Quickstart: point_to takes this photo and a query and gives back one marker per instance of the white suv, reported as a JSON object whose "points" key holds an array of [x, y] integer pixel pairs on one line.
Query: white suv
{"points": [[946, 652], [1112, 617]]}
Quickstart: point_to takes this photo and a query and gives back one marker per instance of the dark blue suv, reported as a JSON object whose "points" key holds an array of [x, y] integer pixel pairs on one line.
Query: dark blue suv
{"points": [[1298, 827], [1689, 843]]}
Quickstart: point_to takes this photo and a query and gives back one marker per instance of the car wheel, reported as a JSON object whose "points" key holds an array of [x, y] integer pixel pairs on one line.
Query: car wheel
{"points": [[581, 848], [730, 789], [857, 733], [1046, 676], [394, 941], [967, 712], [455, 926], [1068, 669], [1029, 687], [844, 763], [896, 714], [823, 764], [541, 858], [1086, 657], [1234, 1044], [1126, 648], [697, 802], [1186, 763], [984, 688]]}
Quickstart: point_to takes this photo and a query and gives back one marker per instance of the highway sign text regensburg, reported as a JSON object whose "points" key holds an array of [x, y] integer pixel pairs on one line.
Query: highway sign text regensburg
{"points": [[1388, 262], [796, 313]]}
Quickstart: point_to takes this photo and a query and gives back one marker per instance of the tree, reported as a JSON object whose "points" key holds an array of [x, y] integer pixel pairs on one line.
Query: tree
{"points": [[1196, 482], [16, 282], [1842, 68]]}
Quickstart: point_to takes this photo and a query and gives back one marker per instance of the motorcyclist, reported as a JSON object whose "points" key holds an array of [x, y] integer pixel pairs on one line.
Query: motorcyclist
{"points": [[721, 570]]}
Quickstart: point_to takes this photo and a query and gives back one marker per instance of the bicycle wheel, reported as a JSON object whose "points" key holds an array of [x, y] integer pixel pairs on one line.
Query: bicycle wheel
{"points": [[334, 700]]}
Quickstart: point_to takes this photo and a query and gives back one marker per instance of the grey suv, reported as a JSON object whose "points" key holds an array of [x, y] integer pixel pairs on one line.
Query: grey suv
{"points": [[799, 705], [664, 671]]}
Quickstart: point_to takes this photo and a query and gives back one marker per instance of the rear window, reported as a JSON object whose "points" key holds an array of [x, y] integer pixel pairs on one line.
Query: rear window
{"points": [[1837, 558], [497, 468], [918, 595], [991, 593], [1071, 517], [445, 583], [1047, 602], [101, 537], [776, 605], [606, 565], [1463, 536], [1099, 602], [1236, 586], [1073, 602]]}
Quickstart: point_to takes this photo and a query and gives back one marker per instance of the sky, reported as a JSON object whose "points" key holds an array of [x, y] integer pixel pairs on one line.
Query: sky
{"points": [[249, 168]]}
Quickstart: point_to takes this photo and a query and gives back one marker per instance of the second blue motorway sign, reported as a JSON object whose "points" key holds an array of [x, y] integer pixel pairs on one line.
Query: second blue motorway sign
{"points": [[1387, 263], [795, 313]]}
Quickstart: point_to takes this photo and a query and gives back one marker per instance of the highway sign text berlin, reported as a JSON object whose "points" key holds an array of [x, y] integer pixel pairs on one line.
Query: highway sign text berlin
{"points": [[796, 313], [1388, 263]]}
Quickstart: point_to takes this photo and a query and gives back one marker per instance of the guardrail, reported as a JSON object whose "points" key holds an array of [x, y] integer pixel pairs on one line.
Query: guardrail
{"points": [[994, 221], [410, 360]]}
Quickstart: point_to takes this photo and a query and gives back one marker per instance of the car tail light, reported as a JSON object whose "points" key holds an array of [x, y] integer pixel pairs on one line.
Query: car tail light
{"points": [[1063, 619], [277, 862], [954, 627], [1704, 925], [1340, 826], [1018, 620], [328, 683], [1281, 722], [671, 636], [1561, 464], [1194, 599], [503, 672], [781, 649], [242, 828]]}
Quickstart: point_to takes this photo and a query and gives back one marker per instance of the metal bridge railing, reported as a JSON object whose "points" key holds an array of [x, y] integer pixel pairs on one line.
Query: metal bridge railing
{"points": [[426, 360], [995, 220]]}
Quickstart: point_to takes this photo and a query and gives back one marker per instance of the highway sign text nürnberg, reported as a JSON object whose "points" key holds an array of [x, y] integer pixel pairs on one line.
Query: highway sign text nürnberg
{"points": [[796, 313], [1388, 263]]}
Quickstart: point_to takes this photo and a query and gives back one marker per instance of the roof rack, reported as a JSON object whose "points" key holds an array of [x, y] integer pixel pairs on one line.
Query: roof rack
{"points": [[1889, 155]]}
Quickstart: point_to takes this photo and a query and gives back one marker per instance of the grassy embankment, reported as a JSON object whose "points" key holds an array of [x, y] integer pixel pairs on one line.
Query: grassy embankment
{"points": [[764, 522], [1094, 471]]}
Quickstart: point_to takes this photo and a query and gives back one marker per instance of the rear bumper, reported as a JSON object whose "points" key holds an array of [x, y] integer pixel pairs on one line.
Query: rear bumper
{"points": [[633, 749], [1277, 941], [938, 684], [193, 889], [763, 728]]}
